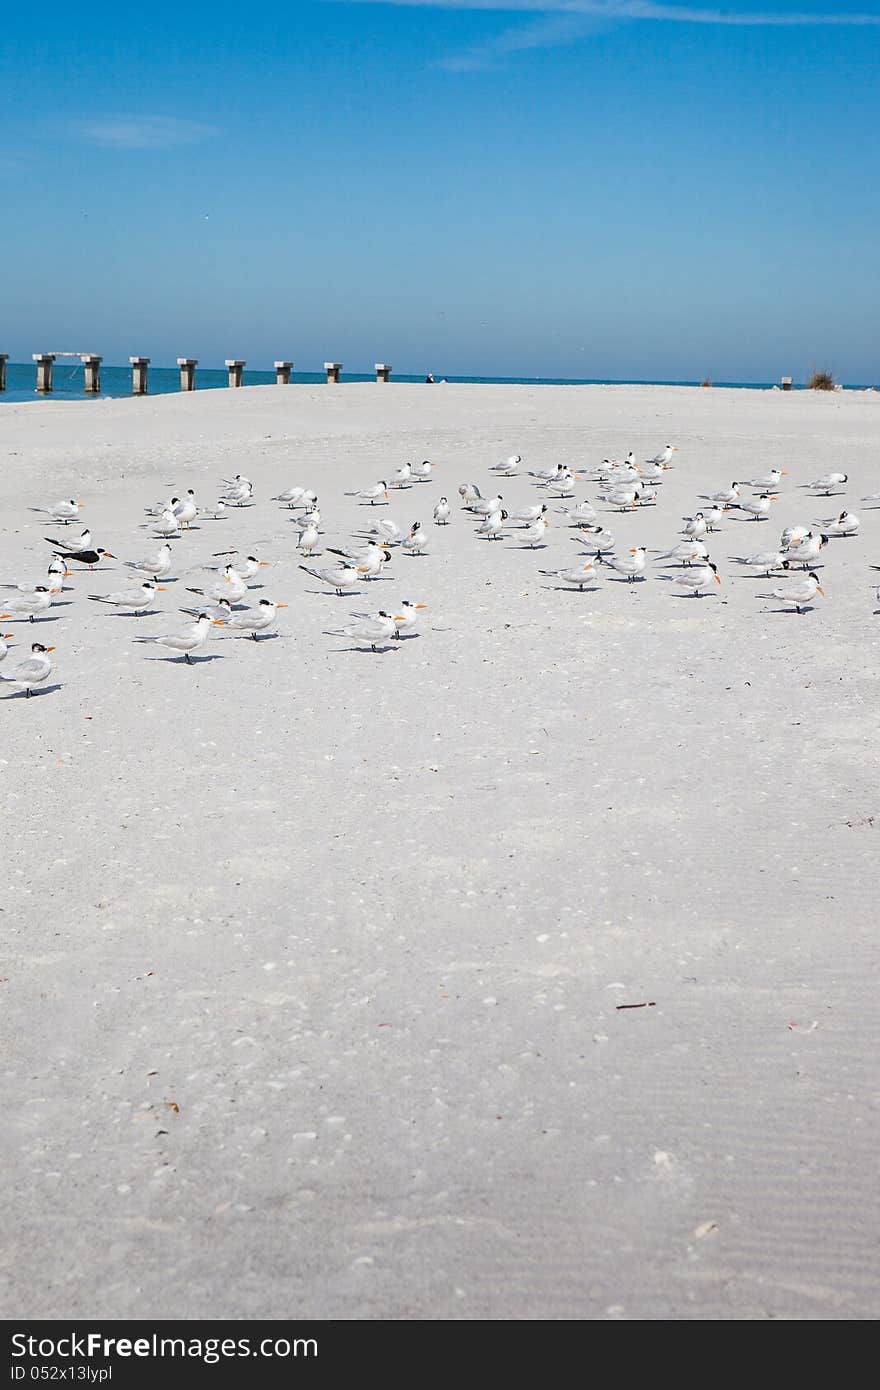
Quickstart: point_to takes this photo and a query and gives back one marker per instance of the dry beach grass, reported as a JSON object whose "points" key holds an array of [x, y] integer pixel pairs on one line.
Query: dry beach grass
{"points": [[313, 958]]}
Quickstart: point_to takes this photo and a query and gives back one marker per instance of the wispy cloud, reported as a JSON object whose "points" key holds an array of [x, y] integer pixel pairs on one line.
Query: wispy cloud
{"points": [[141, 132], [549, 31], [560, 22], [645, 9]]}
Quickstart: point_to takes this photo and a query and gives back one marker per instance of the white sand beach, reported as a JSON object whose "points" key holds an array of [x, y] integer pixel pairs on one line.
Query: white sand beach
{"points": [[313, 958]]}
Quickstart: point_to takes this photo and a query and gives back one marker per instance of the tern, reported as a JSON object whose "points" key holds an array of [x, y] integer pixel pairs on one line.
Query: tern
{"points": [[727, 495], [64, 512], [239, 493], [309, 540], [157, 565], [827, 483], [422, 471], [509, 467], [402, 478], [631, 566], [186, 511], [765, 561], [82, 542], [807, 551], [219, 611], [492, 526], [30, 606], [408, 619], [534, 535], [54, 580], [378, 629], [698, 581], [577, 578], [249, 569], [482, 506], [253, 621], [166, 524], [232, 587], [34, 670], [338, 577], [296, 497], [194, 636], [442, 512], [759, 507], [583, 513], [798, 595], [685, 553], [768, 481], [695, 526], [372, 494], [132, 600], [844, 525], [665, 455], [416, 543]]}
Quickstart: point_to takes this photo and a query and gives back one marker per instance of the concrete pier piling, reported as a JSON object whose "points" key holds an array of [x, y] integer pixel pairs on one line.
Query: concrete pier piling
{"points": [[4, 358], [383, 371], [139, 367], [187, 367], [92, 367], [282, 373], [45, 362], [235, 367], [332, 369]]}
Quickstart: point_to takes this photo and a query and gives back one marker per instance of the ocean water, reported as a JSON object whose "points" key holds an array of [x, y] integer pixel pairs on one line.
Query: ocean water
{"points": [[69, 381]]}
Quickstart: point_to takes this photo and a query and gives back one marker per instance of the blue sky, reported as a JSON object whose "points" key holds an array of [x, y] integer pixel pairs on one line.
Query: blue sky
{"points": [[588, 188]]}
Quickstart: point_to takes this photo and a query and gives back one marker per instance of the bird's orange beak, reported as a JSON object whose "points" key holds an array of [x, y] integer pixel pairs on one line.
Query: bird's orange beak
{"points": [[399, 618], [717, 580], [5, 615], [820, 590], [784, 472], [217, 622], [68, 574], [264, 562], [5, 635], [421, 605], [108, 555], [633, 551], [281, 605], [50, 649], [161, 588]]}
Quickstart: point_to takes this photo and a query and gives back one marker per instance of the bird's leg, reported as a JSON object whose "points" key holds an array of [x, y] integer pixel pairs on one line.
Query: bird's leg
{"points": [[254, 635], [186, 658], [27, 692]]}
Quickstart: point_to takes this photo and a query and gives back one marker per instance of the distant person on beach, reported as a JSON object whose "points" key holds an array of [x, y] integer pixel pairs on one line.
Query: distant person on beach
{"points": [[429, 379]]}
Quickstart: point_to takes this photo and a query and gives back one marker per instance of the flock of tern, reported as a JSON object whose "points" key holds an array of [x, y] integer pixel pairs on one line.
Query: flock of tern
{"points": [[222, 598]]}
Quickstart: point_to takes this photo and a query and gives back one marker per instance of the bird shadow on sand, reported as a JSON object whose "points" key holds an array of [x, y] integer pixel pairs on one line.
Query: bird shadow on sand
{"points": [[793, 612], [370, 651], [334, 593], [45, 690], [182, 661], [571, 588], [41, 619]]}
